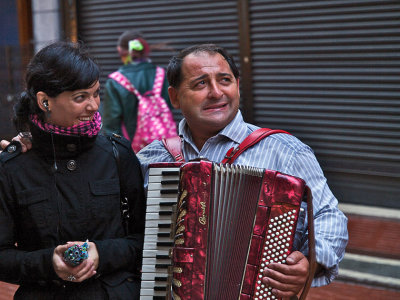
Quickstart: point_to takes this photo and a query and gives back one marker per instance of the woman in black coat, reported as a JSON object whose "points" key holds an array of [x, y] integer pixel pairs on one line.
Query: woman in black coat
{"points": [[66, 190]]}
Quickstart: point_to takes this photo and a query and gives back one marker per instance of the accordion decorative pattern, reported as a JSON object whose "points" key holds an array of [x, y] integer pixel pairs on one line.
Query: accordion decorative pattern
{"points": [[232, 221]]}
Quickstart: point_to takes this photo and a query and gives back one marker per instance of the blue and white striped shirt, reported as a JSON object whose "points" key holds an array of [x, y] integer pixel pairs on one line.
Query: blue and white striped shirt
{"points": [[283, 153]]}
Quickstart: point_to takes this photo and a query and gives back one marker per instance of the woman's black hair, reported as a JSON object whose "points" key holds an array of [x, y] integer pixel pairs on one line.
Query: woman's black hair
{"points": [[58, 67], [174, 69]]}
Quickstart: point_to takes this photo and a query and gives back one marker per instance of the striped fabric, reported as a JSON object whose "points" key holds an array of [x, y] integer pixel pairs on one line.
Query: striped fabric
{"points": [[284, 153], [87, 128]]}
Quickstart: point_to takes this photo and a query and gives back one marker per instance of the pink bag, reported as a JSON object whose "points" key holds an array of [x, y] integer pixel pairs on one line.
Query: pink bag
{"points": [[154, 119]]}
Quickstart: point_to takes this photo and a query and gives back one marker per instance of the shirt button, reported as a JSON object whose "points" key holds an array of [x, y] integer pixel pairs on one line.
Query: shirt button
{"points": [[71, 147], [71, 165]]}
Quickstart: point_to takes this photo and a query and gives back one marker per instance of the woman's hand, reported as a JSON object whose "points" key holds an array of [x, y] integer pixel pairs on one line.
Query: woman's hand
{"points": [[78, 273]]}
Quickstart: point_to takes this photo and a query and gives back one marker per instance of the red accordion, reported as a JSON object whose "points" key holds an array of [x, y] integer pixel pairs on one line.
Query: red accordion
{"points": [[231, 222]]}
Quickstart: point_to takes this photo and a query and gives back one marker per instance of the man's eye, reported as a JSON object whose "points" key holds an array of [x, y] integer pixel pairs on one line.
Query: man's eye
{"points": [[200, 83]]}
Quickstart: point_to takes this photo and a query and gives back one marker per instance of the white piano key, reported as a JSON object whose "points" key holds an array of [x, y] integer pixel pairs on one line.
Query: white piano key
{"points": [[152, 284], [155, 231], [158, 200], [152, 253], [166, 185], [153, 269], [158, 208], [154, 261], [158, 171], [156, 216], [154, 246], [150, 293], [146, 276], [157, 194], [155, 238]]}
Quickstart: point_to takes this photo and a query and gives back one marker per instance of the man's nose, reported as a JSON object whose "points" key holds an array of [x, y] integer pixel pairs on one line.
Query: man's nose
{"points": [[215, 91]]}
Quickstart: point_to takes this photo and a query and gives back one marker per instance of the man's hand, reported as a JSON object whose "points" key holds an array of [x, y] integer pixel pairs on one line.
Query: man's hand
{"points": [[3, 145], [24, 138], [288, 279]]}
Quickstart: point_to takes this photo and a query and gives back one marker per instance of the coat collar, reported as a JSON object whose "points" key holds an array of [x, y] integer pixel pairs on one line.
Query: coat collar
{"points": [[64, 146]]}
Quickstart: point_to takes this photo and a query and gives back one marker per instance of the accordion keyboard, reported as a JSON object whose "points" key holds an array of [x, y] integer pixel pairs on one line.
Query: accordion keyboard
{"points": [[161, 198]]}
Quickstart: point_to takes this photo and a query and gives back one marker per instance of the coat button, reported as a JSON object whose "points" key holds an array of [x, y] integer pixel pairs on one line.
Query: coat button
{"points": [[71, 147], [11, 149], [71, 165]]}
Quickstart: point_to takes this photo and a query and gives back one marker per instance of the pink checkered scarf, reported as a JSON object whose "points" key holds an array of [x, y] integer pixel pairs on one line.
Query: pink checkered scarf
{"points": [[88, 128]]}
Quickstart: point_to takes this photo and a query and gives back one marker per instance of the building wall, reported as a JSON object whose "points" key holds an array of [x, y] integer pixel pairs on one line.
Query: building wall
{"points": [[46, 22]]}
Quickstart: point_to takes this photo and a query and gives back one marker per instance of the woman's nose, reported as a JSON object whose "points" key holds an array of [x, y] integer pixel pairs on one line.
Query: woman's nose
{"points": [[93, 103]]}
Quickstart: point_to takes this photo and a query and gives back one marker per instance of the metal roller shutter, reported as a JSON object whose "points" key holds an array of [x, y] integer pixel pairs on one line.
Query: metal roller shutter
{"points": [[328, 71], [172, 24]]}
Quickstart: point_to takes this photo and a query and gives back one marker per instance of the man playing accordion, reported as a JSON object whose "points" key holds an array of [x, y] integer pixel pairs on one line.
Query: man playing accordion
{"points": [[204, 85]]}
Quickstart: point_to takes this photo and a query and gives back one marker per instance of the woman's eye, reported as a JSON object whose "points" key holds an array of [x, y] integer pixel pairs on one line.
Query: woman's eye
{"points": [[79, 98], [96, 93]]}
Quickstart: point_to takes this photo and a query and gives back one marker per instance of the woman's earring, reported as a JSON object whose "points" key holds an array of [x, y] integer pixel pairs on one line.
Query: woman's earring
{"points": [[46, 106]]}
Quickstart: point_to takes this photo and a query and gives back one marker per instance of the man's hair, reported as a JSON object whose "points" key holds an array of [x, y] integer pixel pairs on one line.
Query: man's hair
{"points": [[174, 69]]}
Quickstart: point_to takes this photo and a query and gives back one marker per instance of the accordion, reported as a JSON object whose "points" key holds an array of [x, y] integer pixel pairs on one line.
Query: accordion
{"points": [[230, 222]]}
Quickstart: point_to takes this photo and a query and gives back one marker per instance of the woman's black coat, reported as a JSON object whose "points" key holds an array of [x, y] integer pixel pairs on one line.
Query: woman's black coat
{"points": [[41, 208]]}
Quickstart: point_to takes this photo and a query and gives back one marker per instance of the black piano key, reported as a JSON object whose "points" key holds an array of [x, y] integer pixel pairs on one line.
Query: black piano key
{"points": [[163, 234], [162, 266], [165, 213], [162, 225], [166, 173], [160, 288], [175, 182], [159, 256], [165, 244], [167, 203], [160, 279], [169, 191], [159, 298]]}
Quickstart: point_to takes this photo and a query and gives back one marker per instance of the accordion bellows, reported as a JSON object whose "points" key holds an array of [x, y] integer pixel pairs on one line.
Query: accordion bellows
{"points": [[232, 221]]}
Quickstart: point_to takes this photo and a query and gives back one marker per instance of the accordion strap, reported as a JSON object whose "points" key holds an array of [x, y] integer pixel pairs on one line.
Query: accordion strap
{"points": [[174, 147], [248, 142], [311, 246], [174, 144]]}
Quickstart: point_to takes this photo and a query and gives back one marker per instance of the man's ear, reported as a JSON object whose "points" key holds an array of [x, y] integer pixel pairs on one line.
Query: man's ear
{"points": [[42, 100], [173, 97]]}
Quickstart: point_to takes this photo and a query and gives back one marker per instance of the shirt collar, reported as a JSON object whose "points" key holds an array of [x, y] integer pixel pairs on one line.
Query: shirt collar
{"points": [[236, 130]]}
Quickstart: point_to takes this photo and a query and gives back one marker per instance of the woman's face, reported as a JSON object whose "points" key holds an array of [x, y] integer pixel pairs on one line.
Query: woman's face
{"points": [[73, 107]]}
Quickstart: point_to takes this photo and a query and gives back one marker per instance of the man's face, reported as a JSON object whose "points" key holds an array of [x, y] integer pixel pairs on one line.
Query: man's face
{"points": [[208, 95]]}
